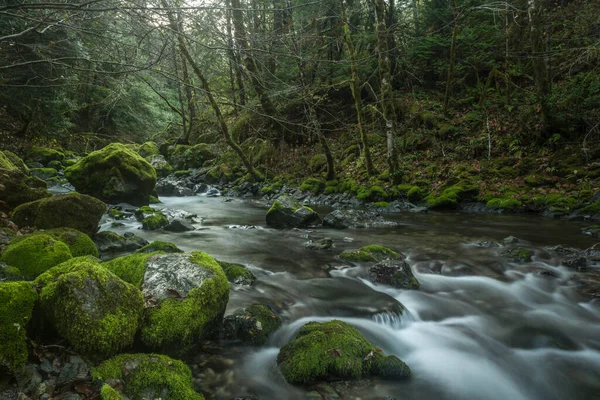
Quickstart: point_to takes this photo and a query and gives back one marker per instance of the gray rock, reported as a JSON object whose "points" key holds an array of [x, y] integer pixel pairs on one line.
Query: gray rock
{"points": [[161, 165], [487, 244], [511, 240], [341, 219], [321, 244], [396, 273], [172, 275], [179, 225], [251, 325], [286, 212], [29, 379], [74, 370], [578, 263], [111, 242]]}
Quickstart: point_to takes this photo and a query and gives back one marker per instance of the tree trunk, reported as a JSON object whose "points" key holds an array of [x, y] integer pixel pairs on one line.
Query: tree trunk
{"points": [[540, 71], [355, 88], [450, 78]]}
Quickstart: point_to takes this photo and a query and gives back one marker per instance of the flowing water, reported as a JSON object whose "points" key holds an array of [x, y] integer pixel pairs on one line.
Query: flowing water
{"points": [[480, 327]]}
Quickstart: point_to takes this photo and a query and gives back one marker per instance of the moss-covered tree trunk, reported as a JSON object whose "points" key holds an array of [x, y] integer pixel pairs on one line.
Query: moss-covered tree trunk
{"points": [[355, 88], [385, 74]]}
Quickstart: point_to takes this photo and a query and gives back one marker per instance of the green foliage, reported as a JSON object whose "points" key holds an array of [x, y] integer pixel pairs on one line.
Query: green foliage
{"points": [[504, 203]]}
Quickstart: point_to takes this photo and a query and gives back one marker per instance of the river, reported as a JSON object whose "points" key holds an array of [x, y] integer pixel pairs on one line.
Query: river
{"points": [[480, 327]]}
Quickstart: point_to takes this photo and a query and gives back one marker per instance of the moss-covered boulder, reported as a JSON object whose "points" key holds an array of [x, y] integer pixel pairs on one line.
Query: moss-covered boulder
{"points": [[114, 174], [43, 155], [396, 273], [155, 221], [74, 210], [16, 307], [17, 188], [44, 173], [237, 273], [251, 325], [160, 164], [451, 196], [332, 351], [79, 243], [518, 255], [370, 253], [187, 157], [286, 212], [185, 293], [96, 311], [35, 254], [158, 245], [146, 376], [14, 159], [148, 149]]}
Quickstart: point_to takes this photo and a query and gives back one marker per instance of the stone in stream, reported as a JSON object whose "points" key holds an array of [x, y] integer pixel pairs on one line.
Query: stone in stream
{"points": [[179, 225], [286, 212], [161, 246], [578, 263], [145, 376], [348, 218], [114, 174], [17, 187], [335, 350], [251, 325], [237, 273], [321, 244], [109, 242], [185, 296], [160, 164], [396, 273], [518, 255], [72, 210], [96, 311], [370, 253]]}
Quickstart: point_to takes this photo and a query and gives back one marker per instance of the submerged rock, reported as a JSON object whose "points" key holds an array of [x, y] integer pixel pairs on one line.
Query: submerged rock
{"points": [[145, 376], [321, 244], [251, 325], [342, 219], [286, 212], [185, 295], [114, 174], [16, 307], [72, 210], [370, 253], [96, 311], [335, 350], [396, 273]]}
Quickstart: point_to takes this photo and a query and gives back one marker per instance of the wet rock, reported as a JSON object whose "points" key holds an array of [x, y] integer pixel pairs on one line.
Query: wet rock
{"points": [[559, 249], [487, 244], [337, 351], [158, 245], [212, 192], [578, 263], [179, 225], [34, 254], [160, 164], [286, 212], [17, 300], [251, 325], [370, 253], [593, 253], [511, 240], [109, 242], [74, 370], [396, 273], [518, 255], [237, 273], [348, 218], [321, 244], [172, 186], [29, 379]]}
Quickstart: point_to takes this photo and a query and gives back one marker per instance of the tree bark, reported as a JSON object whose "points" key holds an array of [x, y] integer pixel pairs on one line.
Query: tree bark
{"points": [[450, 77]]}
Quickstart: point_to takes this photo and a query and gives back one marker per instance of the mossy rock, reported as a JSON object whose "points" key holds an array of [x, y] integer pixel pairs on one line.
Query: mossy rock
{"points": [[148, 149], [96, 311], [56, 165], [108, 393], [158, 245], [537, 180], [251, 325], [74, 210], [415, 194], [187, 157], [286, 212], [372, 193], [35, 254], [518, 255], [313, 185], [396, 273], [148, 376], [190, 291], [370, 253], [116, 213], [451, 196], [592, 208], [43, 155], [160, 164], [504, 203], [16, 307], [335, 350], [114, 174], [182, 173], [17, 188], [155, 221], [8, 157], [275, 187], [79, 243], [381, 204], [237, 273]]}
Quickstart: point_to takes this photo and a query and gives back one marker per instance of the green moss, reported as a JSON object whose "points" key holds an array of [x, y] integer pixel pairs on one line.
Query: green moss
{"points": [[450, 197], [130, 268], [312, 185], [16, 307], [555, 200], [182, 173], [176, 325], [187, 157], [114, 174], [381, 204], [415, 194], [154, 200], [149, 376], [445, 131], [155, 221], [6, 163], [14, 159], [17, 188], [237, 273], [43, 155], [108, 393], [72, 210], [64, 268], [158, 245], [370, 253], [275, 187], [593, 208], [504, 203], [92, 308], [334, 350], [148, 149], [252, 325], [116, 213], [373, 193], [35, 254], [44, 173], [317, 162]]}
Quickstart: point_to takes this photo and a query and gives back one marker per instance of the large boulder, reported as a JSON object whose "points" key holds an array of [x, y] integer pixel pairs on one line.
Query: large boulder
{"points": [[251, 325], [79, 243], [342, 219], [186, 157], [114, 174], [145, 376], [286, 212], [160, 164], [96, 311], [147, 149], [17, 188], [185, 296], [396, 273], [16, 307], [370, 253], [16, 160], [335, 350], [35, 254], [43, 155], [73, 210]]}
